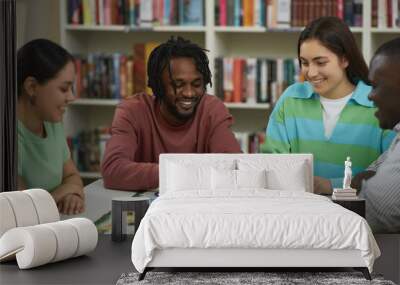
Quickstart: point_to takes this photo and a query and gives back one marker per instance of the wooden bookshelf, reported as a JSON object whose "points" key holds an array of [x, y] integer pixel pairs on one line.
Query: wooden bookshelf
{"points": [[220, 41]]}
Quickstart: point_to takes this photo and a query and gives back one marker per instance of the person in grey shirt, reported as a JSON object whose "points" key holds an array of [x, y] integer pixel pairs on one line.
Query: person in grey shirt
{"points": [[379, 185]]}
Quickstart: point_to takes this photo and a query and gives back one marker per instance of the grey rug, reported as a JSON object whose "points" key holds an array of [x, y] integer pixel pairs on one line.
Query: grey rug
{"points": [[229, 278]]}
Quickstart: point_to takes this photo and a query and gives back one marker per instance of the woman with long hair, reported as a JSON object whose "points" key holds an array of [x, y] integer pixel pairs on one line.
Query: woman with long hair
{"points": [[46, 74], [328, 115]]}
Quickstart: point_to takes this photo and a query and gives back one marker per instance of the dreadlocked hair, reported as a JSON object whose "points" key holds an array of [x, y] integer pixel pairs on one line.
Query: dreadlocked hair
{"points": [[161, 56]]}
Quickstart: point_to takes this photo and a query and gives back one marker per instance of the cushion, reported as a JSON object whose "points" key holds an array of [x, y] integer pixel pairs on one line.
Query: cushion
{"points": [[188, 177], [26, 208], [40, 244], [293, 180], [189, 174], [282, 174], [223, 179], [237, 179], [251, 178], [7, 218]]}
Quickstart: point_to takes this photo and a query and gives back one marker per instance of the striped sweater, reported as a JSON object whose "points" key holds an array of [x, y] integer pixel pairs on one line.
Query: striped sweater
{"points": [[296, 126], [382, 191]]}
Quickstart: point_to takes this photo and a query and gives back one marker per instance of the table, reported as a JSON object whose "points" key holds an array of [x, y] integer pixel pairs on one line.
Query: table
{"points": [[356, 205], [99, 200], [104, 265], [120, 205]]}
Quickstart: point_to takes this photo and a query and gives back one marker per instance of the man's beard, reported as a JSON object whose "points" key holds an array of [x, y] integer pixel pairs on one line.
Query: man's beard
{"points": [[173, 109]]}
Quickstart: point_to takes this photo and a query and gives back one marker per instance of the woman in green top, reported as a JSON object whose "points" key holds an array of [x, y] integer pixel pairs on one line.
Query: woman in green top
{"points": [[46, 73]]}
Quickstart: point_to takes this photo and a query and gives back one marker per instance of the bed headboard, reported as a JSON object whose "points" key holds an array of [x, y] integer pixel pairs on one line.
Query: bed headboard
{"points": [[236, 161]]}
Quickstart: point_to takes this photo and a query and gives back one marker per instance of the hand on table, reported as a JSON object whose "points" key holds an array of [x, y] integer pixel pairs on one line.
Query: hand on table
{"points": [[71, 204]]}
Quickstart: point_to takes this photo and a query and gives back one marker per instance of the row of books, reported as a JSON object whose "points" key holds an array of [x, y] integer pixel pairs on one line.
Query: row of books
{"points": [[285, 13], [136, 13], [385, 13], [250, 142], [115, 75], [254, 80], [87, 148]]}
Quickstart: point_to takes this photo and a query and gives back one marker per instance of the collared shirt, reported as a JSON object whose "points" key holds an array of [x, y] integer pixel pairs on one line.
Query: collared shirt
{"points": [[382, 191], [296, 126]]}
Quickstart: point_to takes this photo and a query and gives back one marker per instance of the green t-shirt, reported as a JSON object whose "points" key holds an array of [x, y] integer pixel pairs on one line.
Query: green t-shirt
{"points": [[41, 160]]}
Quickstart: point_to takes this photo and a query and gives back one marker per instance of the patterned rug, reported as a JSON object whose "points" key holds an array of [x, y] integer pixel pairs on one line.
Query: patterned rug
{"points": [[243, 278]]}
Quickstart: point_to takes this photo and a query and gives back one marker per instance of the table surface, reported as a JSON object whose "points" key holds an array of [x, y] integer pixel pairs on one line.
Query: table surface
{"points": [[104, 265]]}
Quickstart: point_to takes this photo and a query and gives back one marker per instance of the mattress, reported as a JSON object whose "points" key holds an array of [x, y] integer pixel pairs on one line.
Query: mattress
{"points": [[250, 219]]}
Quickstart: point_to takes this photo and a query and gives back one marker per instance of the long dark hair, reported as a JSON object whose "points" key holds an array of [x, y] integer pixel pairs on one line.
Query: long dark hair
{"points": [[41, 59], [175, 47], [336, 36]]}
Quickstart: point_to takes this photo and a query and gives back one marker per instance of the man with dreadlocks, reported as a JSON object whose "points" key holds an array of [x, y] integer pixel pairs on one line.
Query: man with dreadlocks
{"points": [[179, 118]]}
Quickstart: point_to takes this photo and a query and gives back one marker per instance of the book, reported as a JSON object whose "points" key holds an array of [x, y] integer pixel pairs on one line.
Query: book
{"points": [[228, 79], [251, 87], [166, 12], [337, 194], [191, 13], [238, 67], [334, 197], [219, 78], [283, 13], [230, 12], [146, 14], [148, 48], [222, 12], [139, 69], [248, 13], [341, 190]]}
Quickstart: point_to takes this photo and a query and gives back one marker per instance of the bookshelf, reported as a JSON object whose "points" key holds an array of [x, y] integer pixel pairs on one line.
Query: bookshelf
{"points": [[221, 41]]}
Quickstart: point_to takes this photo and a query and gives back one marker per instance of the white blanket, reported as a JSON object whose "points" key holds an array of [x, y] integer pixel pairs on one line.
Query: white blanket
{"points": [[250, 219]]}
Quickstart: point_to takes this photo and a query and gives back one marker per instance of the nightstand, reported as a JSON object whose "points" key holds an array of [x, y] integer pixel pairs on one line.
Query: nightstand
{"points": [[357, 205]]}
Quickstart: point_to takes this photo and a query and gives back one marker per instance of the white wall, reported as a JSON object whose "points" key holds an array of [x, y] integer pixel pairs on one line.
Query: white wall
{"points": [[37, 19]]}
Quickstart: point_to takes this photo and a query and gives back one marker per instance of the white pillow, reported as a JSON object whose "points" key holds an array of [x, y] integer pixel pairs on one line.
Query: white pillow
{"points": [[223, 179], [188, 177], [292, 179], [251, 178], [282, 174], [236, 179]]}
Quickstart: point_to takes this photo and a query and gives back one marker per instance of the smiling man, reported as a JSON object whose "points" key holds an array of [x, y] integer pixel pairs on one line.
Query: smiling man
{"points": [[380, 185], [179, 118]]}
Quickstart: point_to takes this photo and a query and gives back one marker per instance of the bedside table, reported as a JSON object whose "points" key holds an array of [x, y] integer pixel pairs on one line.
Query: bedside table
{"points": [[357, 205]]}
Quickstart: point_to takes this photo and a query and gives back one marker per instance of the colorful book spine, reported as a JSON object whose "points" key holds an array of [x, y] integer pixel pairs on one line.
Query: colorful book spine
{"points": [[191, 12], [222, 12]]}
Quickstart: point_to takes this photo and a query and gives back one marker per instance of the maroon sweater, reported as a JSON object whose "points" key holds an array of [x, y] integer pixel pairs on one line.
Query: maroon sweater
{"points": [[140, 134]]}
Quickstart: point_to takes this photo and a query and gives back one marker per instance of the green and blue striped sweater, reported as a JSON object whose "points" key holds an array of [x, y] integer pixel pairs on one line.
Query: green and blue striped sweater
{"points": [[296, 126]]}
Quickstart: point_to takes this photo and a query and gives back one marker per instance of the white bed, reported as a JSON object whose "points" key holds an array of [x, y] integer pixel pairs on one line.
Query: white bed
{"points": [[219, 210]]}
